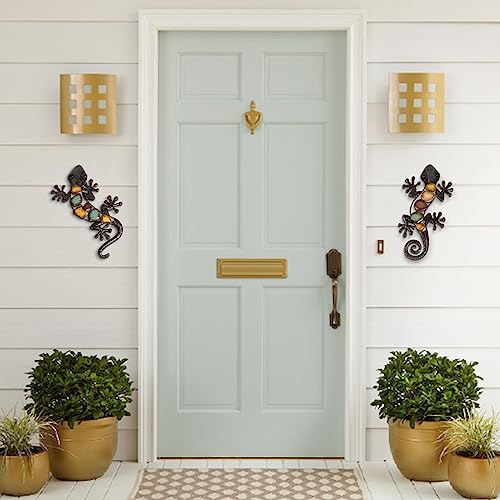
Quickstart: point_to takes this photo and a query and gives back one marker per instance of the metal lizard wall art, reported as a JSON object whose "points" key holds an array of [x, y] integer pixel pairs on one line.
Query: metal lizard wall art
{"points": [[418, 219], [81, 193]]}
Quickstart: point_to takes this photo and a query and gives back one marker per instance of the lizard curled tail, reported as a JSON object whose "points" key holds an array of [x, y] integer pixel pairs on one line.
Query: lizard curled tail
{"points": [[119, 231], [416, 250]]}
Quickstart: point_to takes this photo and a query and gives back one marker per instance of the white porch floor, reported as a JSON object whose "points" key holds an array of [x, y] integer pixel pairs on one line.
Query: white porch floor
{"points": [[382, 481]]}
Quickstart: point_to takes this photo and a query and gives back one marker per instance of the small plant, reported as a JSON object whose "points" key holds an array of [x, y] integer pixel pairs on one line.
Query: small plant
{"points": [[422, 386], [474, 436], [72, 387], [19, 432]]}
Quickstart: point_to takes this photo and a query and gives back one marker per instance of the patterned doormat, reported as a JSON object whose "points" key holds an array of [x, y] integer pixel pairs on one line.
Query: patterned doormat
{"points": [[247, 484]]}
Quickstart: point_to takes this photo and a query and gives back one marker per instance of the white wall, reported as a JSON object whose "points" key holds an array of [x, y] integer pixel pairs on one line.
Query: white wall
{"points": [[54, 291]]}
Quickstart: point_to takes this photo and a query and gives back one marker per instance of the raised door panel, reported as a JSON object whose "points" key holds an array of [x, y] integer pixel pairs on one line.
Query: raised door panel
{"points": [[209, 76], [209, 347], [209, 185], [293, 348], [294, 76], [294, 171]]}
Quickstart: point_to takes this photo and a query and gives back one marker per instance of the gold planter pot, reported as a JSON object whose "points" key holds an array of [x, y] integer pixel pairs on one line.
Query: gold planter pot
{"points": [[84, 452], [415, 450], [474, 477], [23, 475]]}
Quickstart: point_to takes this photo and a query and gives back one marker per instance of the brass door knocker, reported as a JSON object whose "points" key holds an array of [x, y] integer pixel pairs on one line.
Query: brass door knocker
{"points": [[253, 118]]}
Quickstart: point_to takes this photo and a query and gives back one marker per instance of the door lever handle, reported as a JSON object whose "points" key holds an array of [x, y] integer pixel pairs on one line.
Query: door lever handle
{"points": [[334, 270]]}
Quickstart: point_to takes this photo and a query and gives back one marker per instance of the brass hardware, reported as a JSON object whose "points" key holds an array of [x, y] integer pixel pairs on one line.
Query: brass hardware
{"points": [[334, 270], [253, 118], [380, 247], [252, 268], [87, 104], [416, 102]]}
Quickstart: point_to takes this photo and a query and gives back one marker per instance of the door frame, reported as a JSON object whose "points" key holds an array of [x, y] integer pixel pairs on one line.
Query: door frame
{"points": [[151, 22]]}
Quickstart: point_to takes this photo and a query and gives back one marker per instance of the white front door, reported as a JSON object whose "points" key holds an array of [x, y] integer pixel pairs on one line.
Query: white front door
{"points": [[250, 366]]}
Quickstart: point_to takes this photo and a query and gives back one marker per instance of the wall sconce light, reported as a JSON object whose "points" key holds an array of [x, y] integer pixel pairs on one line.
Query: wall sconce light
{"points": [[416, 102], [88, 104]]}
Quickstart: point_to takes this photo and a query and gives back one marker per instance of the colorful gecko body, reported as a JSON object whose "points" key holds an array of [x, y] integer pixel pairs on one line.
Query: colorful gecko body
{"points": [[81, 192], [419, 218]]}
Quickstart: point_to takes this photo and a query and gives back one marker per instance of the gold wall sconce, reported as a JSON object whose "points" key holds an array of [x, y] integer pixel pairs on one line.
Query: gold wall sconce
{"points": [[88, 103], [416, 102]]}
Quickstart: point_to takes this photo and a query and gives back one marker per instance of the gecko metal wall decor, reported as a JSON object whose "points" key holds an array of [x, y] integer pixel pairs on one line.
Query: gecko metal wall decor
{"points": [[418, 220], [81, 193]]}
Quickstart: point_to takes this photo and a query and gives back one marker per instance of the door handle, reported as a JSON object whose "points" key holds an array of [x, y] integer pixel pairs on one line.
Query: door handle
{"points": [[334, 270]]}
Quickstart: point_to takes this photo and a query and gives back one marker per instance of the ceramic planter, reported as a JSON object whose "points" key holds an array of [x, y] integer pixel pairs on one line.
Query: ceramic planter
{"points": [[24, 475], [474, 477], [415, 450], [84, 452]]}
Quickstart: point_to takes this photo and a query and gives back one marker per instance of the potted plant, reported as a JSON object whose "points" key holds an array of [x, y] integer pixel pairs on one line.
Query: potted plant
{"points": [[24, 466], [473, 446], [85, 396], [418, 393]]}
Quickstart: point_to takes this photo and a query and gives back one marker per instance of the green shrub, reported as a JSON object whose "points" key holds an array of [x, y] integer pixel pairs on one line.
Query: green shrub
{"points": [[423, 386], [69, 386]]}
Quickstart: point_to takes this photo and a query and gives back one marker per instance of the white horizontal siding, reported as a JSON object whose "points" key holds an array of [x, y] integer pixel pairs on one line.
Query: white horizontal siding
{"points": [[39, 124], [45, 166], [421, 327], [68, 288], [448, 247], [433, 42], [53, 42], [63, 246], [377, 10], [68, 329], [420, 286], [463, 164]]}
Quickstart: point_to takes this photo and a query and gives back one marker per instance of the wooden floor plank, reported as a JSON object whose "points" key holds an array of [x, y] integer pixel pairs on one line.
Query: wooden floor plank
{"points": [[405, 487], [252, 463], [215, 463], [361, 479], [57, 490], [193, 463], [81, 490], [124, 481], [379, 481], [274, 463], [444, 491], [171, 463], [157, 464], [290, 463], [425, 490], [231, 463], [101, 485], [334, 464], [312, 464]]}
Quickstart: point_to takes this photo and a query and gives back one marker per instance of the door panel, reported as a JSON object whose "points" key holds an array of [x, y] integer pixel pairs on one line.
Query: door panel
{"points": [[250, 367]]}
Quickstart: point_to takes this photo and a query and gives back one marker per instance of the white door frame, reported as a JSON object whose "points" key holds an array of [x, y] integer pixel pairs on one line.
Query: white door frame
{"points": [[151, 22]]}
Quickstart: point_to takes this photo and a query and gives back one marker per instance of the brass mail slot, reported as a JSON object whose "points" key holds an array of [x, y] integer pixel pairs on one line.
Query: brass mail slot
{"points": [[252, 268]]}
